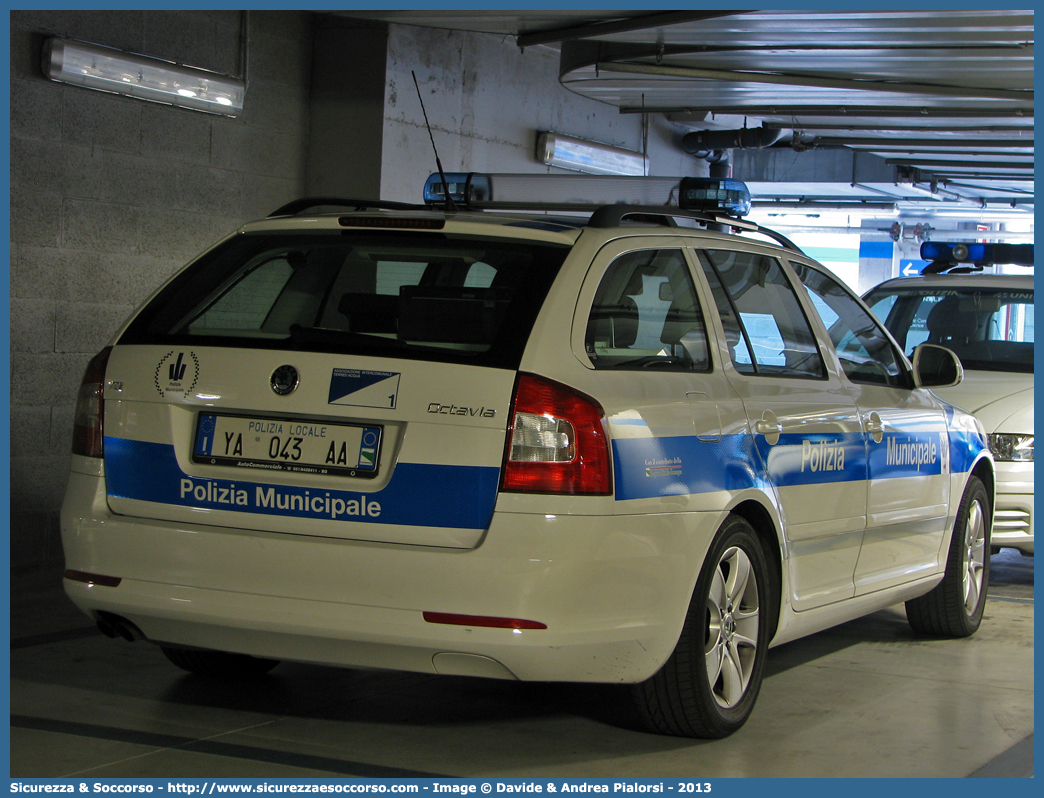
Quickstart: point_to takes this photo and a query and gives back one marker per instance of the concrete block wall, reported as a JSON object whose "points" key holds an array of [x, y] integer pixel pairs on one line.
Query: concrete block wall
{"points": [[110, 195]]}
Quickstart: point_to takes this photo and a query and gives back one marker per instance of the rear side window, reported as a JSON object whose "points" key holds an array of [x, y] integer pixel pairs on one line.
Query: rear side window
{"points": [[246, 303], [645, 315], [423, 296], [765, 328]]}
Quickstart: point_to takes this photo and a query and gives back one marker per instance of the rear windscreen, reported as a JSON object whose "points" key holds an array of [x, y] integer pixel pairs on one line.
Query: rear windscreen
{"points": [[416, 295], [989, 329]]}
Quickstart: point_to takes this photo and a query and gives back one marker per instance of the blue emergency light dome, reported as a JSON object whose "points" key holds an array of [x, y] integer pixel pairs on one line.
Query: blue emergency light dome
{"points": [[714, 194], [464, 187]]}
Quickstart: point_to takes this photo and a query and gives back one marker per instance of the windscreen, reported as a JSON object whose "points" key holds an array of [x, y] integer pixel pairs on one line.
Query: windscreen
{"points": [[989, 329], [428, 296]]}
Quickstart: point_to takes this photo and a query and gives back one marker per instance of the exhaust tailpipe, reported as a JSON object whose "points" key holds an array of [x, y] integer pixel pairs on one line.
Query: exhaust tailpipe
{"points": [[113, 626]]}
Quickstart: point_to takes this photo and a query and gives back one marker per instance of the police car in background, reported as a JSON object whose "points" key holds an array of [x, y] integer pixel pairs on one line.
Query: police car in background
{"points": [[639, 446], [986, 319]]}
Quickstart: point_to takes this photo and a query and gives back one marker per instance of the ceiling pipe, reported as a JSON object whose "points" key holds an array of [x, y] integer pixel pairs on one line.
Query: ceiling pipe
{"points": [[1020, 131], [1017, 142], [815, 205], [755, 138], [720, 167], [1018, 166], [691, 113], [711, 156]]}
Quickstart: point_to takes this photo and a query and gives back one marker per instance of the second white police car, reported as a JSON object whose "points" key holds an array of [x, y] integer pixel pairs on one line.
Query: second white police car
{"points": [[638, 446], [986, 319]]}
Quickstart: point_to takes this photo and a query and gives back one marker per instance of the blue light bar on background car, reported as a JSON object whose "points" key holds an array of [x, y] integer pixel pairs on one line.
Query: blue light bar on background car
{"points": [[977, 253], [464, 187], [714, 194]]}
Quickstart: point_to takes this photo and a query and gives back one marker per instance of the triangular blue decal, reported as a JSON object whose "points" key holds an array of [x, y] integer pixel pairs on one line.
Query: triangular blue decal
{"points": [[359, 388]]}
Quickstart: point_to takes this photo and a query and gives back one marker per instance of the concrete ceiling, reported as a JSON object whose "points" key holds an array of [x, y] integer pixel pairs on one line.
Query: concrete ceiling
{"points": [[939, 102]]}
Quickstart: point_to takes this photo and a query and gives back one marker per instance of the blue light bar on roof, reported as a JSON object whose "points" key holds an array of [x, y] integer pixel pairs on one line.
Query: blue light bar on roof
{"points": [[464, 187], [714, 194], [977, 253]]}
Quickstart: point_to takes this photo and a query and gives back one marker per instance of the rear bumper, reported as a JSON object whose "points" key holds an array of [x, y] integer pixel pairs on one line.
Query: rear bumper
{"points": [[612, 591]]}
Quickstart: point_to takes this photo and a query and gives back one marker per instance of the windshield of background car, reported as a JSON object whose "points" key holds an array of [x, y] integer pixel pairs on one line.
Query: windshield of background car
{"points": [[989, 329], [426, 296]]}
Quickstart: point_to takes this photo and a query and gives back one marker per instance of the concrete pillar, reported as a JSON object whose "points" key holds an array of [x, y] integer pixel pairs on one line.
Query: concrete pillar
{"points": [[877, 257], [347, 108]]}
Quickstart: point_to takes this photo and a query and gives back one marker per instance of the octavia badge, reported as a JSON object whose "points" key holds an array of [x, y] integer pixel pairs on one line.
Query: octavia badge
{"points": [[284, 380]]}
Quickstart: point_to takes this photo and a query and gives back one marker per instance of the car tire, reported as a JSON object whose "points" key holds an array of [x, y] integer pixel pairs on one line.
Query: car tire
{"points": [[954, 607], [708, 686], [219, 663]]}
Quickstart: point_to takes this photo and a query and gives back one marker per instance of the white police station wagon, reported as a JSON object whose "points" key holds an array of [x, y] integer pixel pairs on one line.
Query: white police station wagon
{"points": [[639, 446]]}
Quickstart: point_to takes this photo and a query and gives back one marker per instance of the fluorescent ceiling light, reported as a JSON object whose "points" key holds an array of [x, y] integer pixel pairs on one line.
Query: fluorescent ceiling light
{"points": [[588, 156], [115, 71]]}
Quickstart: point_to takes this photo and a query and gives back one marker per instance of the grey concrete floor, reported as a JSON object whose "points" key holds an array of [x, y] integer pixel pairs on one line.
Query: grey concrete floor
{"points": [[867, 699]]}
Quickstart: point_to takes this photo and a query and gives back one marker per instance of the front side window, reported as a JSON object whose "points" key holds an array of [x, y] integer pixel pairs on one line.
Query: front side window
{"points": [[989, 329], [417, 295], [865, 352], [645, 315], [765, 328]]}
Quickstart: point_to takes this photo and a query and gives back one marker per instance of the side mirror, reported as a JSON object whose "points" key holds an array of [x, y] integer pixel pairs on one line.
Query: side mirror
{"points": [[936, 367]]}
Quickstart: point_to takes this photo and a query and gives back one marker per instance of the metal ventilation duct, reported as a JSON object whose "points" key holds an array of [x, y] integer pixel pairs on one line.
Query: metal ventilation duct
{"points": [[705, 141]]}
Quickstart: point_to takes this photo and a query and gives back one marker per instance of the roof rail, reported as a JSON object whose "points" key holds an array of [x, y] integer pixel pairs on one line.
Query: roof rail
{"points": [[613, 215], [602, 216], [308, 203]]}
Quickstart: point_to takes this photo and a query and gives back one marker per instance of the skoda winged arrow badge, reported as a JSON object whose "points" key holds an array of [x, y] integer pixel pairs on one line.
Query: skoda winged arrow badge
{"points": [[284, 380]]}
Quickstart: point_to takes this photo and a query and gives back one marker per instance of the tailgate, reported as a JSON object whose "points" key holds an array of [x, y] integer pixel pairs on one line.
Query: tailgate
{"points": [[363, 448]]}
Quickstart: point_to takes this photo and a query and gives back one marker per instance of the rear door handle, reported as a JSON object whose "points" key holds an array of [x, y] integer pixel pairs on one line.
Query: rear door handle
{"points": [[874, 427], [769, 426]]}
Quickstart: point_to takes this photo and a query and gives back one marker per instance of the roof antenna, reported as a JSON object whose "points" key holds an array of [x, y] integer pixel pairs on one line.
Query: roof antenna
{"points": [[450, 206]]}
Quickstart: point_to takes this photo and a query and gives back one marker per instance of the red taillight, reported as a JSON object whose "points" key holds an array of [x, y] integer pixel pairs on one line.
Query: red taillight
{"points": [[88, 421], [482, 620], [557, 441], [93, 579]]}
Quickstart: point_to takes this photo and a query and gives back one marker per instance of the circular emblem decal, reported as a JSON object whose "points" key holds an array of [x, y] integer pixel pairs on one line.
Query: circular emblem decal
{"points": [[180, 376], [284, 380]]}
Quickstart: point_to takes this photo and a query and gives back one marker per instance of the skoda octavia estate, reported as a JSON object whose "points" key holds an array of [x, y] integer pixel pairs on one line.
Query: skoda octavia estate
{"points": [[634, 444]]}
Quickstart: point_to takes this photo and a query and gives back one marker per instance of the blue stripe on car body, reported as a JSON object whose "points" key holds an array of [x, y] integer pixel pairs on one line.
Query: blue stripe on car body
{"points": [[460, 497], [650, 467]]}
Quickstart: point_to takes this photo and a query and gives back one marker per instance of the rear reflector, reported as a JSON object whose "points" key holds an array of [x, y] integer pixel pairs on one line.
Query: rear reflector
{"points": [[481, 620], [93, 579], [88, 418], [557, 441]]}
